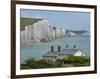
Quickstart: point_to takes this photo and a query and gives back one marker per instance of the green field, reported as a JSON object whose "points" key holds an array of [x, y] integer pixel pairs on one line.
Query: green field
{"points": [[71, 61], [27, 21]]}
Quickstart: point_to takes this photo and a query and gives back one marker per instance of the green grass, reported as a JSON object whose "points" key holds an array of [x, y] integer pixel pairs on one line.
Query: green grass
{"points": [[67, 65], [27, 21], [71, 61]]}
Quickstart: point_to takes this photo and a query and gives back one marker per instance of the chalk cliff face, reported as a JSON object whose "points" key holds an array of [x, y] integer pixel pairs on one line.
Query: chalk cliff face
{"points": [[41, 31]]}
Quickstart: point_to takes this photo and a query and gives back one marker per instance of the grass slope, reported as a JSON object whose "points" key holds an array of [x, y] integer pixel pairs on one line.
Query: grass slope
{"points": [[27, 21]]}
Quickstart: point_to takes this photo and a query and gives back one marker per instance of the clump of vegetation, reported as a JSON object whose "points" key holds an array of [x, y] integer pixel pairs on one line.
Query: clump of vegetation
{"points": [[71, 61], [36, 64], [76, 61]]}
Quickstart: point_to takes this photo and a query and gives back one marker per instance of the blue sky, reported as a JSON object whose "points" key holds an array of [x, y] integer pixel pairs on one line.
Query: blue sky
{"points": [[65, 19]]}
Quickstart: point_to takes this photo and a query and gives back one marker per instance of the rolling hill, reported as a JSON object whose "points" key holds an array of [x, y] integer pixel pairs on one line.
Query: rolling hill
{"points": [[27, 21]]}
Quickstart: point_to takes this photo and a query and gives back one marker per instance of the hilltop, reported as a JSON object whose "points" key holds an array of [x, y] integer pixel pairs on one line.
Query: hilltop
{"points": [[27, 21]]}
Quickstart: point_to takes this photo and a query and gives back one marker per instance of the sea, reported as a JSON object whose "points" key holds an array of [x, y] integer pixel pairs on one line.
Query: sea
{"points": [[37, 50]]}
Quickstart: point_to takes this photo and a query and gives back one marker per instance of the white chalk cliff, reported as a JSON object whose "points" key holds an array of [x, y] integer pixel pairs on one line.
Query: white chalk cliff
{"points": [[41, 31]]}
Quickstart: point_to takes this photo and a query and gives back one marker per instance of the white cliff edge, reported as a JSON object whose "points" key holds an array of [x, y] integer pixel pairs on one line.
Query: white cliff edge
{"points": [[41, 31]]}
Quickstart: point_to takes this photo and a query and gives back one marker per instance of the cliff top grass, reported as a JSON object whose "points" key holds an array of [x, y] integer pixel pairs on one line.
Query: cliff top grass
{"points": [[49, 53], [27, 21]]}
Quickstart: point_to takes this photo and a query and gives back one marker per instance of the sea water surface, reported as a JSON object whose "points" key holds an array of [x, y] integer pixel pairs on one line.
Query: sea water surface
{"points": [[37, 50]]}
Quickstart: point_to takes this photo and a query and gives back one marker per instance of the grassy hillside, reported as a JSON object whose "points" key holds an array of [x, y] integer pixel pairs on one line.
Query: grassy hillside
{"points": [[27, 21]]}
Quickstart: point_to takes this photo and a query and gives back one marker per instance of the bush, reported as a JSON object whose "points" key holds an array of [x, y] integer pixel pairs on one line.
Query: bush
{"points": [[68, 61], [77, 60], [34, 64]]}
